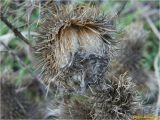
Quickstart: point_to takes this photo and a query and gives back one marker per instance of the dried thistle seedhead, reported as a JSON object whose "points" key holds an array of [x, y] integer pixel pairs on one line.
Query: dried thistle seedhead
{"points": [[66, 32], [73, 48], [117, 98], [113, 98], [129, 59], [132, 46]]}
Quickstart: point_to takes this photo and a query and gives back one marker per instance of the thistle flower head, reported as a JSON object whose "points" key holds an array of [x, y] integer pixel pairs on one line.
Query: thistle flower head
{"points": [[115, 99], [132, 45], [65, 31]]}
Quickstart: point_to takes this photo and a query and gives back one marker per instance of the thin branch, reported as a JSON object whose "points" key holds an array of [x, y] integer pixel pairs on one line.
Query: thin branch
{"points": [[9, 36], [154, 29], [14, 29], [122, 7]]}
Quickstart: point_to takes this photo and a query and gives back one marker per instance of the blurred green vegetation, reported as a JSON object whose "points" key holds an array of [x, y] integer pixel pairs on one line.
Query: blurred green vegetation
{"points": [[18, 19]]}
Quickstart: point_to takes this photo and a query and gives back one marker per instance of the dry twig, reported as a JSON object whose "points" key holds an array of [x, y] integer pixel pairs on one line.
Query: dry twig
{"points": [[14, 29], [122, 7], [9, 36]]}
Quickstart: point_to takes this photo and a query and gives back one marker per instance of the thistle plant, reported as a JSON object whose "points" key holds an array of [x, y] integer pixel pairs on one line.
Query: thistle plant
{"points": [[74, 52], [88, 71]]}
